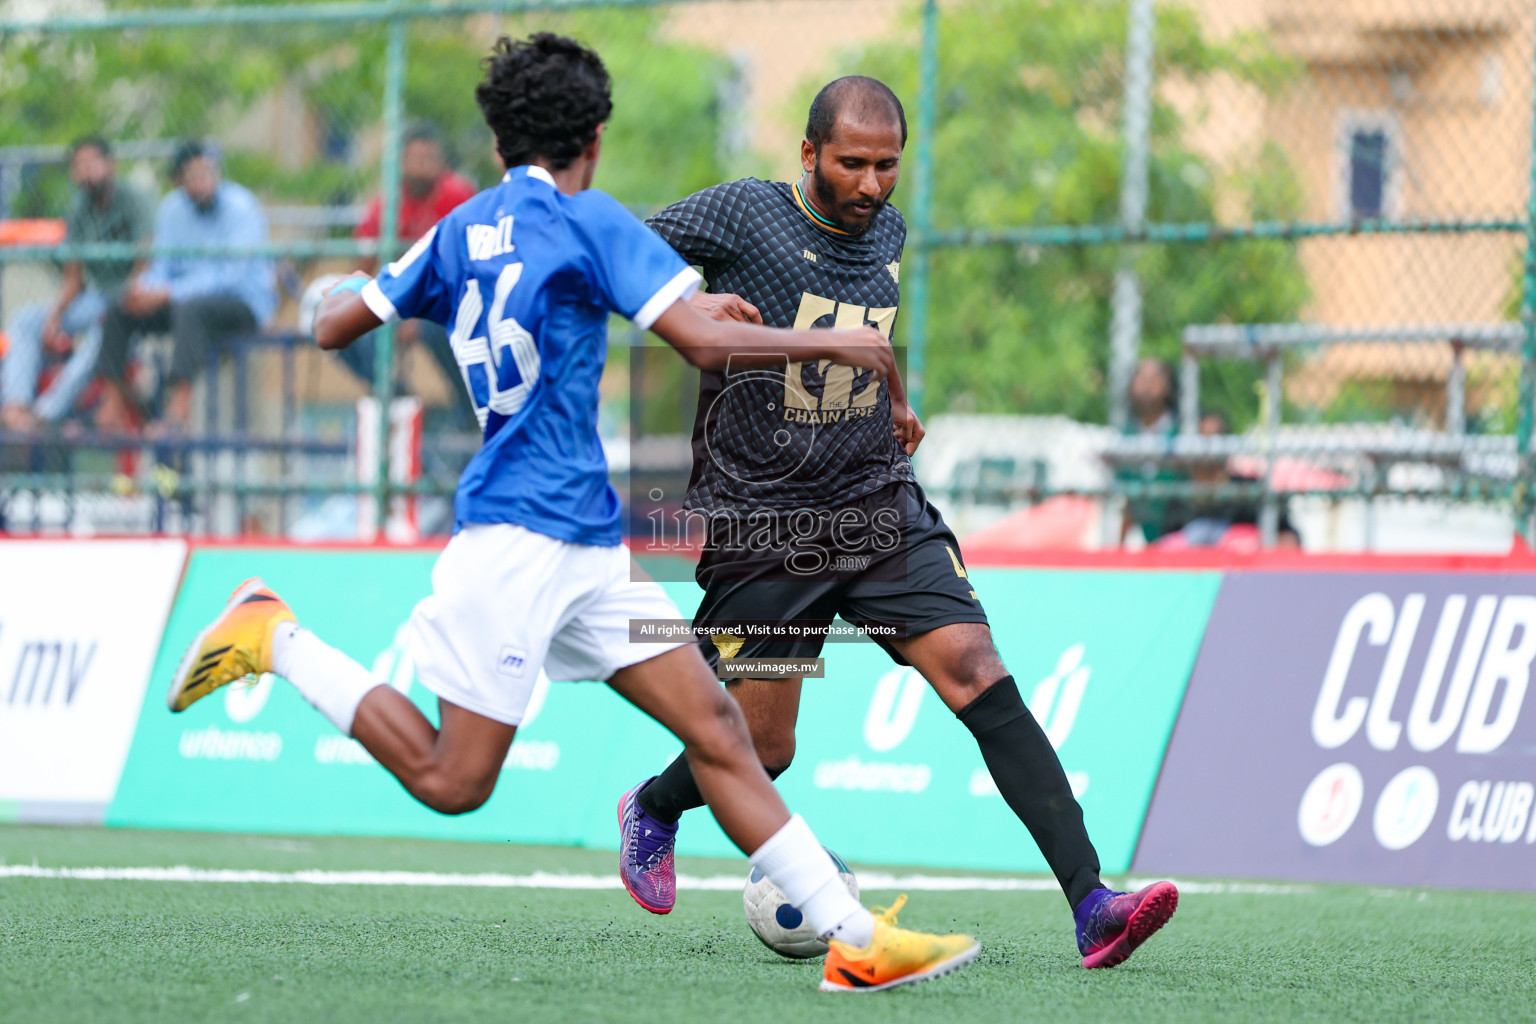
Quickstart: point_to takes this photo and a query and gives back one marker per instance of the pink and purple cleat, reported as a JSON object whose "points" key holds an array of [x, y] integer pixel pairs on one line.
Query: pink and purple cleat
{"points": [[1110, 925], [645, 854]]}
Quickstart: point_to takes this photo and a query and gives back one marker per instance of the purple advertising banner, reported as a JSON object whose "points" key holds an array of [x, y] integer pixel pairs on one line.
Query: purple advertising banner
{"points": [[1356, 728]]}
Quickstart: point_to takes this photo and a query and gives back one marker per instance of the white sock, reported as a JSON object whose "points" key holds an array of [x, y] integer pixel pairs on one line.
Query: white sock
{"points": [[795, 862], [328, 679]]}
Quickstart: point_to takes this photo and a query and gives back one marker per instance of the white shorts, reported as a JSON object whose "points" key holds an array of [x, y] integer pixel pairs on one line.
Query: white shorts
{"points": [[507, 602]]}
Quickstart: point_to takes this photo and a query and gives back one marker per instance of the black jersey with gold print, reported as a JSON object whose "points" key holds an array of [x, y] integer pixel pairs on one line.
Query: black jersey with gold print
{"points": [[807, 434]]}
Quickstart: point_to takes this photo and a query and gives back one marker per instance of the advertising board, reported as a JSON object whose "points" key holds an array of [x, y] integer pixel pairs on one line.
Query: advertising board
{"points": [[80, 626], [1356, 727], [1102, 657]]}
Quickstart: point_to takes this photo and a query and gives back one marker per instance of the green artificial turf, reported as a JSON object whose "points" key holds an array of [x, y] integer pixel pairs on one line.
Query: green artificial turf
{"points": [[82, 950]]}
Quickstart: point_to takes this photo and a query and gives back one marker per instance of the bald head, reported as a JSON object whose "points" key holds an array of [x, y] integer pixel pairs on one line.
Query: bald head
{"points": [[851, 154], [853, 100]]}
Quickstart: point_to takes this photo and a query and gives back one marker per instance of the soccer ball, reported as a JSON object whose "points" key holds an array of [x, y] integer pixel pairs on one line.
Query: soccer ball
{"points": [[309, 302], [779, 925]]}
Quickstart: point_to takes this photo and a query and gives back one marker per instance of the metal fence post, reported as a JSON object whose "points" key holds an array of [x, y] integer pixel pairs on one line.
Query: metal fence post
{"points": [[1189, 394], [922, 207], [384, 351], [1456, 391], [1525, 502], [1125, 327], [1269, 508]]}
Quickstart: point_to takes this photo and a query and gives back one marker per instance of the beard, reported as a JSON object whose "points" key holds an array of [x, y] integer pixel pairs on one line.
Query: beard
{"points": [[419, 188], [826, 198]]}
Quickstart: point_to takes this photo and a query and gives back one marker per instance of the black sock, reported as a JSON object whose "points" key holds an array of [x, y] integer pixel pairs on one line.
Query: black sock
{"points": [[1030, 777], [674, 791]]}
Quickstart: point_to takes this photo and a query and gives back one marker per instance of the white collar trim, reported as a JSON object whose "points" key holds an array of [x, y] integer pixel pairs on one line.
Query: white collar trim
{"points": [[537, 172]]}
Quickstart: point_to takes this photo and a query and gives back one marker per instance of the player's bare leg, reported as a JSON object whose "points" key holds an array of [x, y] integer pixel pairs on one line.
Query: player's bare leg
{"points": [[959, 661], [679, 691], [772, 709], [867, 953], [651, 809], [962, 665], [452, 767]]}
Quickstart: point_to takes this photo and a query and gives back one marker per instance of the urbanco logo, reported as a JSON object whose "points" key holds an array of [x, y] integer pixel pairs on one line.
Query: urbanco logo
{"points": [[893, 709], [1058, 696], [1055, 703], [892, 715]]}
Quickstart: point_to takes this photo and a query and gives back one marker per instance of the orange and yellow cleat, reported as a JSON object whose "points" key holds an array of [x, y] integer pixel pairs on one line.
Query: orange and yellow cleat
{"points": [[895, 956], [236, 644]]}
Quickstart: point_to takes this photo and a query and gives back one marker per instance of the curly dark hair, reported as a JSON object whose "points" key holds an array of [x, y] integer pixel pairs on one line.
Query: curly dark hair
{"points": [[543, 97]]}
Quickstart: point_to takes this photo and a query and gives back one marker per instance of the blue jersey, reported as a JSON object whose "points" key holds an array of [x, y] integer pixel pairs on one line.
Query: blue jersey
{"points": [[524, 277]]}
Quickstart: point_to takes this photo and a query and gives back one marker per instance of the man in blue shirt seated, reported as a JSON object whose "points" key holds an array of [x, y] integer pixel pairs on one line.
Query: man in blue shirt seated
{"points": [[201, 300]]}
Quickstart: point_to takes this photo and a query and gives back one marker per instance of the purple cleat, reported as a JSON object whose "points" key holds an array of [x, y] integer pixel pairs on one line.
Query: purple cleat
{"points": [[645, 854], [1110, 925]]}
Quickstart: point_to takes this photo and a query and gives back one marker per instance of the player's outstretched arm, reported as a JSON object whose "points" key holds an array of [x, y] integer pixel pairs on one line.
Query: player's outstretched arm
{"points": [[712, 344], [724, 308], [343, 316]]}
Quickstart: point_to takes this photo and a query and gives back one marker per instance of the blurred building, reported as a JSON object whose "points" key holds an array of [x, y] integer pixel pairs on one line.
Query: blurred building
{"points": [[780, 48], [1401, 110]]}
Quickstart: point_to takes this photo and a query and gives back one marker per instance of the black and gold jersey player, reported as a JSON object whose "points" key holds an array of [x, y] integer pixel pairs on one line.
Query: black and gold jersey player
{"points": [[820, 453]]}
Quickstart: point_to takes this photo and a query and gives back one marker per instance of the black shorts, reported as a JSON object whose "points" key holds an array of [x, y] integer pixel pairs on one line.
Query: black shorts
{"points": [[919, 587]]}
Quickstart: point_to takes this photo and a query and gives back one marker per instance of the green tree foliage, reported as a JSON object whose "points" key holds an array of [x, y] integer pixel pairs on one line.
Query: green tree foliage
{"points": [[178, 82], [1029, 133]]}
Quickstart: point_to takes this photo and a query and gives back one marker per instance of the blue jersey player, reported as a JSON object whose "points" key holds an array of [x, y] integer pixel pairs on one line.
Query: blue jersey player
{"points": [[536, 576]]}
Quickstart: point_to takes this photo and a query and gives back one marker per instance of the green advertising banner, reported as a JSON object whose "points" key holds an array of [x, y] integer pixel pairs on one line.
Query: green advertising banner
{"points": [[884, 771], [260, 759]]}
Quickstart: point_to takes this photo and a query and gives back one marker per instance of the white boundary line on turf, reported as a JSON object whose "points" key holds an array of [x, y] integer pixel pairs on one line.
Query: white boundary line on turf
{"points": [[549, 880]]}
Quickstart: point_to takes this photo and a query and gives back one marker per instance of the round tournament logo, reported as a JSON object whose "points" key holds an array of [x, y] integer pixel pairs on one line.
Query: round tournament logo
{"points": [[1406, 807], [1330, 804]]}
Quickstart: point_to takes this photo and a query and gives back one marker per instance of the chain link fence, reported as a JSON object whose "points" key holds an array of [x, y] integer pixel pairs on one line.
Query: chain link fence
{"points": [[1277, 248], [1190, 261]]}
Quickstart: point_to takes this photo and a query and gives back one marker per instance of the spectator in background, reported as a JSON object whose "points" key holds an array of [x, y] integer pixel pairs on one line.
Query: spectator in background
{"points": [[1152, 401], [103, 210], [1229, 522], [429, 191], [1152, 398], [201, 300]]}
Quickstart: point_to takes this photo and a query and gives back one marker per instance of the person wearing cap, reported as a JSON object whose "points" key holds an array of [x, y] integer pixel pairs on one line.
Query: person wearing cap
{"points": [[202, 300]]}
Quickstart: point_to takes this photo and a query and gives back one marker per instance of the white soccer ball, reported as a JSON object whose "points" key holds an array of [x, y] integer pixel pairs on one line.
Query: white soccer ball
{"points": [[780, 926], [309, 302]]}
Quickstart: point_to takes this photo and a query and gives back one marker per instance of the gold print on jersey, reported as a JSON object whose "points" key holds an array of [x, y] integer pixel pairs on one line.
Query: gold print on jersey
{"points": [[812, 308], [838, 402]]}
